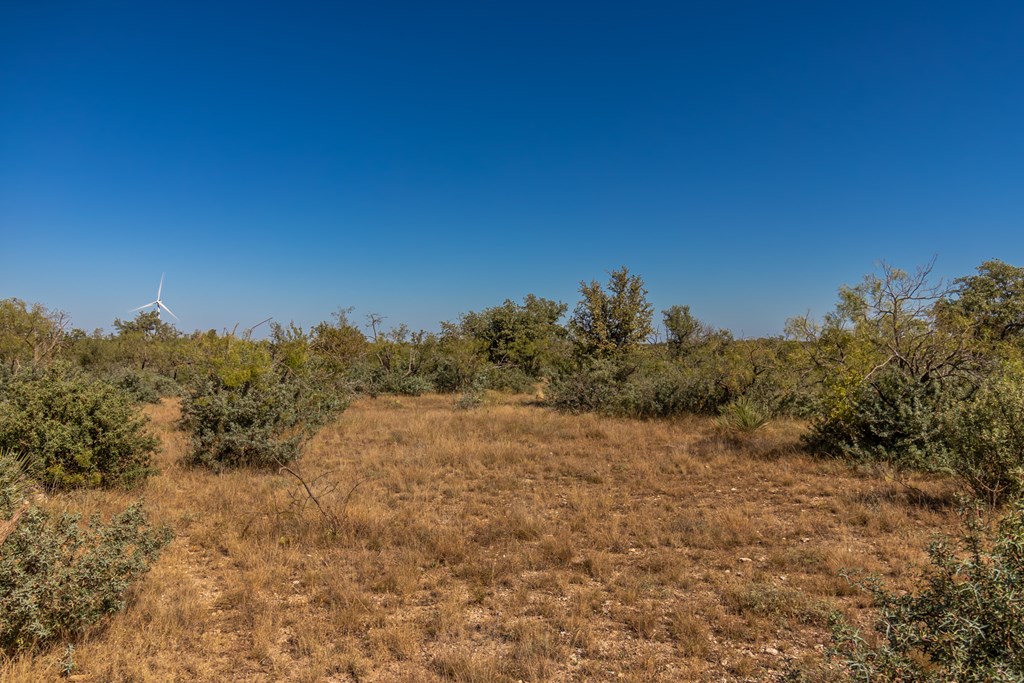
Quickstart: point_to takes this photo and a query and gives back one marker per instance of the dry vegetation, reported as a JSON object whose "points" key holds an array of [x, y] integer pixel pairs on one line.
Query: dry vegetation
{"points": [[504, 543]]}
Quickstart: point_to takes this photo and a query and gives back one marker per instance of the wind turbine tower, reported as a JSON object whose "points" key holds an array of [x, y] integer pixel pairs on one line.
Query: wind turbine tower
{"points": [[158, 303]]}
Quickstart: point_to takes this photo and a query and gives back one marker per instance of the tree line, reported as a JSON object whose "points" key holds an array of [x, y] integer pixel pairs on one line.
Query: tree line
{"points": [[907, 371]]}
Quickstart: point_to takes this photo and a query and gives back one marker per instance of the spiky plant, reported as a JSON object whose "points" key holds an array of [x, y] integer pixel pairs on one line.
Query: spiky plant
{"points": [[743, 415]]}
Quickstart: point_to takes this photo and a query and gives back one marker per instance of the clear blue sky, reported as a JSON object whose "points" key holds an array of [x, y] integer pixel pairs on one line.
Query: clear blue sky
{"points": [[424, 159]]}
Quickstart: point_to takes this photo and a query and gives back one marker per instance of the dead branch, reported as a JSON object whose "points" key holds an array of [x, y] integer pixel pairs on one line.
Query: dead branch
{"points": [[329, 516]]}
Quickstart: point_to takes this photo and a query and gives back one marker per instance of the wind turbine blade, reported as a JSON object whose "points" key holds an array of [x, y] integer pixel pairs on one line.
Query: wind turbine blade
{"points": [[161, 287], [143, 306], [164, 306]]}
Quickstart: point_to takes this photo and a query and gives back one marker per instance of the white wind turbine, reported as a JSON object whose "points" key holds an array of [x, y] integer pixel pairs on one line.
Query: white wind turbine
{"points": [[158, 303]]}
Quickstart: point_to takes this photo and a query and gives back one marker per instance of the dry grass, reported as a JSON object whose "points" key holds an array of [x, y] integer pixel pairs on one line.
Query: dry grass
{"points": [[503, 543]]}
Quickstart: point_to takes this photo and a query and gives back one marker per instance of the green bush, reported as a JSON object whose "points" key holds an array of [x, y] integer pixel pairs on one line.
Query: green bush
{"points": [[372, 380], [401, 384], [670, 389], [447, 376], [985, 439], [592, 387], [966, 623], [474, 395], [509, 378], [144, 386], [81, 431], [636, 389], [57, 577], [892, 419], [260, 424]]}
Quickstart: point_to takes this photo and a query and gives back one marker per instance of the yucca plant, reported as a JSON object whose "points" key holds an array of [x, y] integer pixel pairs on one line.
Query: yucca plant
{"points": [[15, 481], [743, 415]]}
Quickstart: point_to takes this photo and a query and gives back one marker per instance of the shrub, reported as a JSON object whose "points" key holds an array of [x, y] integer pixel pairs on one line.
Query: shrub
{"points": [[373, 380], [626, 388], [473, 396], [469, 400], [590, 387], [81, 431], [891, 419], [402, 384], [510, 378], [966, 624], [742, 416], [58, 577], [448, 376], [262, 423], [985, 439], [667, 390], [144, 386]]}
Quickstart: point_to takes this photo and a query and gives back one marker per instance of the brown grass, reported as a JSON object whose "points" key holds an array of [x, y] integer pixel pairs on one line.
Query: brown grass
{"points": [[503, 543]]}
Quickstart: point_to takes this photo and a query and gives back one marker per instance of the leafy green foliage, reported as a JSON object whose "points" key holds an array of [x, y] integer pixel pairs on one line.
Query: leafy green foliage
{"points": [[144, 344], [658, 390], [965, 624], [699, 371], [29, 334], [58, 577], [892, 419], [635, 388], [993, 301], [524, 336], [596, 386], [613, 321], [984, 437], [473, 396], [510, 379], [259, 402], [82, 431], [683, 331], [453, 361], [144, 386], [888, 362], [342, 344]]}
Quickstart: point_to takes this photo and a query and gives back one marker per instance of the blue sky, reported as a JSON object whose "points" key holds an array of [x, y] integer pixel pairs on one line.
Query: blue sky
{"points": [[424, 159]]}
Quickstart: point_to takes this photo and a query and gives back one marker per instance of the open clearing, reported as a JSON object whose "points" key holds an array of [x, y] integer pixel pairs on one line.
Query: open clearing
{"points": [[503, 543]]}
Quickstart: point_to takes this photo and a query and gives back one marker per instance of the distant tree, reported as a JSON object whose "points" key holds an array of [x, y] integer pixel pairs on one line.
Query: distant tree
{"points": [[525, 336], [993, 300], [610, 321], [682, 330], [29, 333], [889, 321], [148, 324], [341, 343], [146, 341]]}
